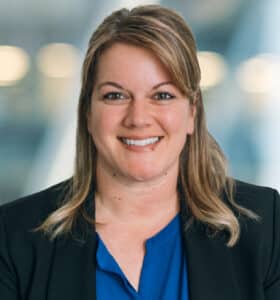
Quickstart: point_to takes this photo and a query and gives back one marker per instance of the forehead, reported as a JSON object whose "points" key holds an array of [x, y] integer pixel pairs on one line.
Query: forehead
{"points": [[128, 61]]}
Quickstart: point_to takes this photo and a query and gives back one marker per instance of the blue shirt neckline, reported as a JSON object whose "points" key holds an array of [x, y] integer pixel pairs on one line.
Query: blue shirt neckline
{"points": [[107, 262], [163, 271]]}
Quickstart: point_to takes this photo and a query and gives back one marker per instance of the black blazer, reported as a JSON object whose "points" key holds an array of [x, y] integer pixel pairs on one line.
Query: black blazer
{"points": [[33, 268]]}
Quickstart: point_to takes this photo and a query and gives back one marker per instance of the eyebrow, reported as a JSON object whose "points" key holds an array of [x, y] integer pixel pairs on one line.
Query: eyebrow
{"points": [[117, 85]]}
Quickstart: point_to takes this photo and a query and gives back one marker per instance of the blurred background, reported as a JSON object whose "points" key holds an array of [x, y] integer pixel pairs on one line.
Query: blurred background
{"points": [[42, 45]]}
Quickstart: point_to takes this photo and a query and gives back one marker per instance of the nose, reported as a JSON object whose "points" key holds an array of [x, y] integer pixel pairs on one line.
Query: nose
{"points": [[137, 114]]}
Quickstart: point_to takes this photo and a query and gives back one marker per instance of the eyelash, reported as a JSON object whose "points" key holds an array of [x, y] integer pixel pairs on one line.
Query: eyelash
{"points": [[108, 96], [170, 96], [112, 96]]}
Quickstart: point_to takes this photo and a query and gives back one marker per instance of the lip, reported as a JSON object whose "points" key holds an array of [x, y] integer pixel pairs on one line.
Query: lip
{"points": [[147, 148], [137, 137]]}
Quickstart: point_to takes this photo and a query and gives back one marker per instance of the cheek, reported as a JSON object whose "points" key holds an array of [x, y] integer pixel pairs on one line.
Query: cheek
{"points": [[177, 120], [102, 123]]}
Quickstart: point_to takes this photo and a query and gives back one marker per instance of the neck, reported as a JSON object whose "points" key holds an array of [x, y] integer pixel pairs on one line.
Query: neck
{"points": [[137, 202]]}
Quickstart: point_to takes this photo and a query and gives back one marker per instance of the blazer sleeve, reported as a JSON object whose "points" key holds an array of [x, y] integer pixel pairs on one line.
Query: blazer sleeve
{"points": [[272, 282], [8, 286]]}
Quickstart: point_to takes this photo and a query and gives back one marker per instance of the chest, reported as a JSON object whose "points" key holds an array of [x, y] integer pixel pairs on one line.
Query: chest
{"points": [[66, 269], [133, 253], [128, 250], [163, 276]]}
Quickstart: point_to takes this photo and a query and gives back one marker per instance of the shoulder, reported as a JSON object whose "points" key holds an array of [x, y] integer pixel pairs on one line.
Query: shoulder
{"points": [[260, 240], [23, 251], [29, 211], [262, 200]]}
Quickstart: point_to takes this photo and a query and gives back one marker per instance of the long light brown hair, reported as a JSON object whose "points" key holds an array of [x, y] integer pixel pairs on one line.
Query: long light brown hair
{"points": [[203, 174]]}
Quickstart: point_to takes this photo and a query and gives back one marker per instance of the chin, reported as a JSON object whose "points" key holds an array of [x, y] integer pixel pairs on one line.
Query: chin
{"points": [[142, 174]]}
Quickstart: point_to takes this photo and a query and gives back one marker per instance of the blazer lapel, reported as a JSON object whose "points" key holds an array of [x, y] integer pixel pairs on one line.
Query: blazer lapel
{"points": [[72, 271], [211, 273], [73, 268]]}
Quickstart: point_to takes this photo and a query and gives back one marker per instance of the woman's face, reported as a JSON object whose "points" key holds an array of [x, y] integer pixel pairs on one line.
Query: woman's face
{"points": [[138, 119]]}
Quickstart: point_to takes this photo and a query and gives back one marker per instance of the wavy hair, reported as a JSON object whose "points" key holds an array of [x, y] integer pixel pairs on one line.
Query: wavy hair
{"points": [[203, 171]]}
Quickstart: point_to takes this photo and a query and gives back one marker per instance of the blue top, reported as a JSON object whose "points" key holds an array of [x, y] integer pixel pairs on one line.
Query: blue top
{"points": [[163, 274]]}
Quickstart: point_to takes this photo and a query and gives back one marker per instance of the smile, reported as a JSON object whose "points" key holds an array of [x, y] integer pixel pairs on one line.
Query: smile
{"points": [[140, 142]]}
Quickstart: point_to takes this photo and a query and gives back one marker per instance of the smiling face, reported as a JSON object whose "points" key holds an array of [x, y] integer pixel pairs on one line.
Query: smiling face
{"points": [[138, 119]]}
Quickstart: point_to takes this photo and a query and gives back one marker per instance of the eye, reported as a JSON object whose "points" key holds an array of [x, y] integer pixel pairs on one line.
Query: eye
{"points": [[114, 96], [163, 96]]}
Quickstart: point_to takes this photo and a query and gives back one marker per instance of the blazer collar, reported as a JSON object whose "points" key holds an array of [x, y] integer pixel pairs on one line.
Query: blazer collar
{"points": [[209, 262], [74, 260]]}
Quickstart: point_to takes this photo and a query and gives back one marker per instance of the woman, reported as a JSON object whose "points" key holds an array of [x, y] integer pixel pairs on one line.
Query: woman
{"points": [[150, 212]]}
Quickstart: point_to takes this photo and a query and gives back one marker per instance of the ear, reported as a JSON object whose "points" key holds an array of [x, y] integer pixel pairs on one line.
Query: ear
{"points": [[193, 109], [191, 118], [88, 120]]}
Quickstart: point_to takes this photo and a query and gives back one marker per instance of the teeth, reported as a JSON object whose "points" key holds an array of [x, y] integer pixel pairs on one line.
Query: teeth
{"points": [[140, 142]]}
